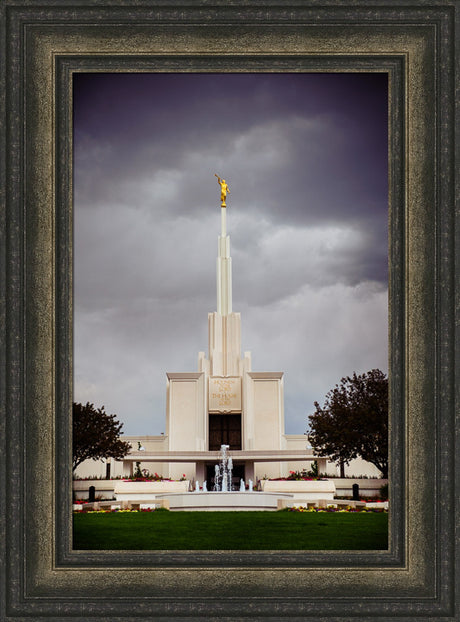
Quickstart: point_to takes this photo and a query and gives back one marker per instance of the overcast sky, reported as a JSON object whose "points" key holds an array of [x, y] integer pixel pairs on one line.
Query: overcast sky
{"points": [[305, 157]]}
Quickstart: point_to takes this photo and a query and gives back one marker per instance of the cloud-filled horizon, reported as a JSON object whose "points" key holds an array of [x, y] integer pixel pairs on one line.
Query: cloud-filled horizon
{"points": [[305, 157]]}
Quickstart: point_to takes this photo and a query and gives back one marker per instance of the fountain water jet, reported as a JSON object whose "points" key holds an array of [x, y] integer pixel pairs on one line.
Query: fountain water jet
{"points": [[223, 471]]}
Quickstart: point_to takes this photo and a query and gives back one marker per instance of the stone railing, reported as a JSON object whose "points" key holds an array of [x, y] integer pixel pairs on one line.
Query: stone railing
{"points": [[368, 487], [103, 488], [106, 488], [343, 487]]}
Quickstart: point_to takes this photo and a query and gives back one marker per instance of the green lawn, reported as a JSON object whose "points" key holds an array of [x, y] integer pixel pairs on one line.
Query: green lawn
{"points": [[163, 530]]}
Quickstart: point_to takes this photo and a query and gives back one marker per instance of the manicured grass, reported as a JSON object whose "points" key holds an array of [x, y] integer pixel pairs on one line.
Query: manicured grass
{"points": [[163, 530]]}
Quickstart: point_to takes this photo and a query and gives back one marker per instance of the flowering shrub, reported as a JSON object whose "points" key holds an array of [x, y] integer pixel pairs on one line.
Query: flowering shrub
{"points": [[113, 511], [335, 509], [307, 476], [361, 498], [145, 476]]}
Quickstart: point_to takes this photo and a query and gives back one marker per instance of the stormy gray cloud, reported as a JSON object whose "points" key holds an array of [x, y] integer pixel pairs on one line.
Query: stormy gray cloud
{"points": [[305, 156]]}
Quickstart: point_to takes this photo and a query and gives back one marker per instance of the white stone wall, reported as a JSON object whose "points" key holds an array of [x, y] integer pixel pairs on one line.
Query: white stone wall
{"points": [[186, 418], [356, 468], [91, 468], [97, 468], [263, 418]]}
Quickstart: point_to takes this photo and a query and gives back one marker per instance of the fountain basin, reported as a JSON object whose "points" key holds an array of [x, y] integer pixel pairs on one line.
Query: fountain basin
{"points": [[224, 501]]}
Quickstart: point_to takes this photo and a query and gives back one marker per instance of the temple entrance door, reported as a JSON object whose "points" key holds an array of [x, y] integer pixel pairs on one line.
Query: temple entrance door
{"points": [[224, 430]]}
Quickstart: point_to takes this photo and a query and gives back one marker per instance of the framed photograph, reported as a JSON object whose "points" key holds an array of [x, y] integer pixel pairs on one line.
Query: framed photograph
{"points": [[46, 45], [306, 223]]}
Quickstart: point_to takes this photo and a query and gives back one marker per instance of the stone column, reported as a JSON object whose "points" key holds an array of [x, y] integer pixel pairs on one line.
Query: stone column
{"points": [[127, 468]]}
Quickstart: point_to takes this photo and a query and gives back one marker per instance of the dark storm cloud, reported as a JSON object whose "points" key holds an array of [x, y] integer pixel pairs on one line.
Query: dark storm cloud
{"points": [[299, 133], [290, 258]]}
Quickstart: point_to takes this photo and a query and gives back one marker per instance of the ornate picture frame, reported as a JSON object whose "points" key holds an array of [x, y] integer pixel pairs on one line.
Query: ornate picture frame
{"points": [[44, 43]]}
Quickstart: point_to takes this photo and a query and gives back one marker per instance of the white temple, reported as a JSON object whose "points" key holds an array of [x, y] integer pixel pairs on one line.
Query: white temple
{"points": [[223, 403]]}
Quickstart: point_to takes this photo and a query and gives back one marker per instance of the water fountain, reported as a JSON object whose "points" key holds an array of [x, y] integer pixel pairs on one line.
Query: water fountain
{"points": [[217, 499], [223, 471]]}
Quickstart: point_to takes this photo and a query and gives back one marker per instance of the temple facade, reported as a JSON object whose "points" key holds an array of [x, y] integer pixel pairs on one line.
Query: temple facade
{"points": [[223, 402]]}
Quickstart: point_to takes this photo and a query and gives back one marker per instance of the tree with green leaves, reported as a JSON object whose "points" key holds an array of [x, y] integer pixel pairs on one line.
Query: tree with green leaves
{"points": [[96, 435], [353, 421]]}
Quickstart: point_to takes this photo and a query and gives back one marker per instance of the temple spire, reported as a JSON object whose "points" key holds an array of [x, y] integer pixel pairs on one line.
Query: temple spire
{"points": [[224, 261]]}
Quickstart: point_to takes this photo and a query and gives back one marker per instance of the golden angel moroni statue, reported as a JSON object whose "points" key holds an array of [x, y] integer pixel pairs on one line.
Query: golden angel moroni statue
{"points": [[223, 190]]}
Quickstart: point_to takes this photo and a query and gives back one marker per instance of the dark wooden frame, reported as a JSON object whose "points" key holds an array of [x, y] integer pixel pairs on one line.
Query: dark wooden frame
{"points": [[43, 43]]}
